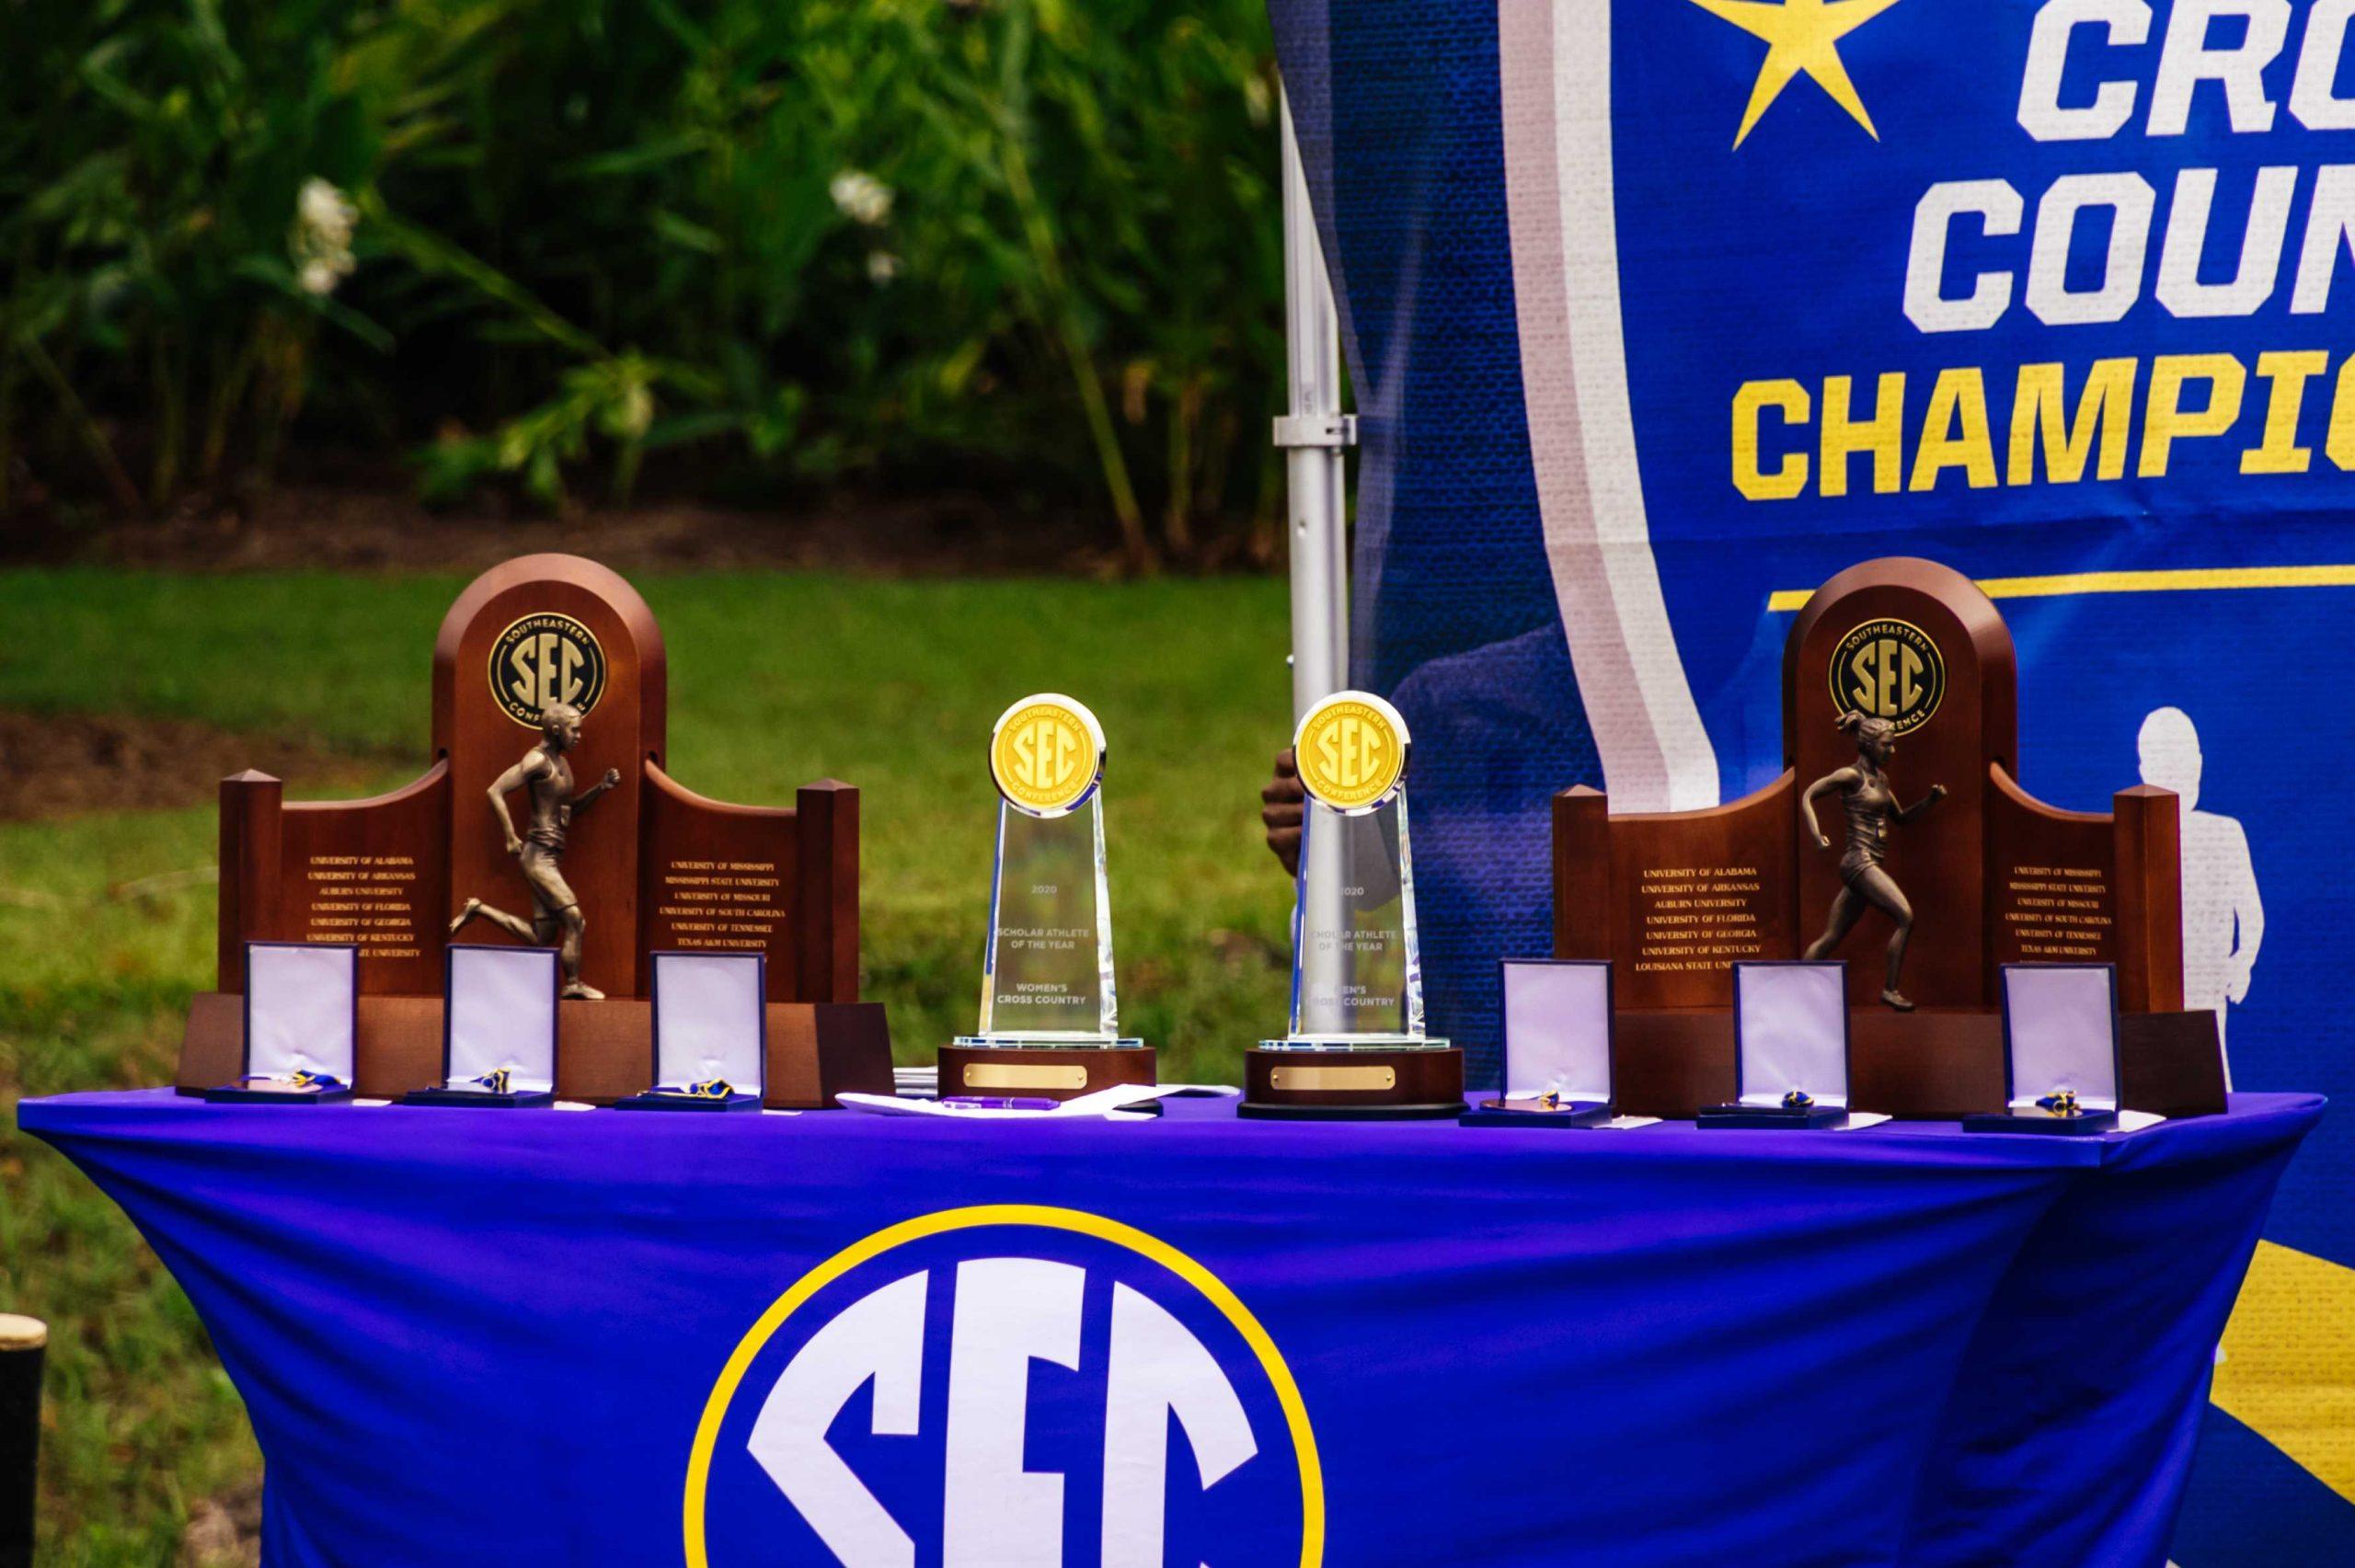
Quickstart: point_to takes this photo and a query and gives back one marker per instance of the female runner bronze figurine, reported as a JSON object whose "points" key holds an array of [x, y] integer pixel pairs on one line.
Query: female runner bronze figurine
{"points": [[1871, 804]]}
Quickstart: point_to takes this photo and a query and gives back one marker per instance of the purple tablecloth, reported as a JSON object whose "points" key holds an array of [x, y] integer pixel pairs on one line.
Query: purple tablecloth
{"points": [[547, 1336]]}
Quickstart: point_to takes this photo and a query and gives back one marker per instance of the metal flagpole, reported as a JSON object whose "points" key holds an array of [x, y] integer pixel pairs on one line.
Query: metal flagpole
{"points": [[1312, 436]]}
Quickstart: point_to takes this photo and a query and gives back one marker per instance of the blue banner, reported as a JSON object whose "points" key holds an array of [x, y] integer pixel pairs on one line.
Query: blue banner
{"points": [[1660, 312]]}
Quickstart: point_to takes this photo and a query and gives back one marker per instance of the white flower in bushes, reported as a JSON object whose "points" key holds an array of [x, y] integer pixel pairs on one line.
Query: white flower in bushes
{"points": [[321, 244], [860, 197], [326, 214]]}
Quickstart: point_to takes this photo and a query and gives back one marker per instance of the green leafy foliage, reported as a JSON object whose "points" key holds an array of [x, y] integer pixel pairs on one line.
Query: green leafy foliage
{"points": [[774, 244]]}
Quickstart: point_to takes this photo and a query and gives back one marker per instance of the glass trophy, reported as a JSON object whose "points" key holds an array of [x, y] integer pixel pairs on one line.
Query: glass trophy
{"points": [[1050, 1014], [1357, 1044]]}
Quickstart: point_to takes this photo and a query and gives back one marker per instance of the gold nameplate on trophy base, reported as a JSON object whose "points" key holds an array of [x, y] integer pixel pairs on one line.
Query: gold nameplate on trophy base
{"points": [[1343, 1080], [1022, 1075]]}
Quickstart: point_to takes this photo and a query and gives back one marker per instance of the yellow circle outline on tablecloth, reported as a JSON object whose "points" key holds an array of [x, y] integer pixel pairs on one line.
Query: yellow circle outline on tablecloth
{"points": [[1079, 1222]]}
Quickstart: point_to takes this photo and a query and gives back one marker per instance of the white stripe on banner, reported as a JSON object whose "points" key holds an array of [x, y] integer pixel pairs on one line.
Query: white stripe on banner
{"points": [[1656, 754]]}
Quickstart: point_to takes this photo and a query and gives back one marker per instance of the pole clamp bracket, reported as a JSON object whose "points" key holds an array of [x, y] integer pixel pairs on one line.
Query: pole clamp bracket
{"points": [[1333, 431]]}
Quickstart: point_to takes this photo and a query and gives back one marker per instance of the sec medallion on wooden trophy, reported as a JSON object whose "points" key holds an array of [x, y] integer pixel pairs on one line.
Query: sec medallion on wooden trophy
{"points": [[550, 688], [1050, 1025], [1357, 1048]]}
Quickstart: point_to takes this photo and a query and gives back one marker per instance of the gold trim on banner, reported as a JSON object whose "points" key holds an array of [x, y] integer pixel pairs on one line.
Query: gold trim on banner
{"points": [[2184, 580]]}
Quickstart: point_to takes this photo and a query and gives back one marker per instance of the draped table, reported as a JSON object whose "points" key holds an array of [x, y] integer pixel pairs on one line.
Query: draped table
{"points": [[472, 1336]]}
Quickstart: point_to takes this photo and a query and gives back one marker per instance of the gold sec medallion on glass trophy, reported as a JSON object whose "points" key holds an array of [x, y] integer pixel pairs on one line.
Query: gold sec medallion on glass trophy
{"points": [[1357, 1046], [1046, 755], [1049, 1025]]}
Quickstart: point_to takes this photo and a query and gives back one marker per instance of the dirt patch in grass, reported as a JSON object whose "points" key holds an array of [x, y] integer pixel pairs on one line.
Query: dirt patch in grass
{"points": [[66, 764], [373, 524], [224, 1531]]}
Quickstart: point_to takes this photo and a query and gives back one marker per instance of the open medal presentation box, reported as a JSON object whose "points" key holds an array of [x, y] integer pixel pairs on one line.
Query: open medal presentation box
{"points": [[652, 865], [2060, 1055], [1557, 1045], [300, 1023], [1994, 875], [1792, 1046], [710, 1034], [499, 1038]]}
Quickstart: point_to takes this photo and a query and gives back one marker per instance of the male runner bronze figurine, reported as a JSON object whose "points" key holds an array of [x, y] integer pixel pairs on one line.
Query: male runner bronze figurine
{"points": [[555, 912], [1872, 808]]}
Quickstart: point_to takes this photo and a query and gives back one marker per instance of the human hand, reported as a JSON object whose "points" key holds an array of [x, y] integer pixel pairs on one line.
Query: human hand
{"points": [[514, 844], [1283, 804], [612, 777], [1938, 792], [1821, 843]]}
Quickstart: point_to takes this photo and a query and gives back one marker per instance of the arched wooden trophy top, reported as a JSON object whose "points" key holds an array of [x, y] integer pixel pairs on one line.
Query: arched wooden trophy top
{"points": [[1922, 646], [635, 689], [512, 642], [1982, 696]]}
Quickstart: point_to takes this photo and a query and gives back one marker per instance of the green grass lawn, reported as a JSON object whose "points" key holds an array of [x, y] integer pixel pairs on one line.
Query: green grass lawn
{"points": [[774, 680]]}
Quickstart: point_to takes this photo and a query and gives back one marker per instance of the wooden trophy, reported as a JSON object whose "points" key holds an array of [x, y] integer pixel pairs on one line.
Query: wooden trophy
{"points": [[1357, 1048], [1049, 1025], [1898, 839], [548, 819]]}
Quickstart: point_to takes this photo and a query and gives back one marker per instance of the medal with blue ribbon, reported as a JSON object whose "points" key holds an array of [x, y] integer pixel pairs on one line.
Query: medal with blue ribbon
{"points": [[302, 1078]]}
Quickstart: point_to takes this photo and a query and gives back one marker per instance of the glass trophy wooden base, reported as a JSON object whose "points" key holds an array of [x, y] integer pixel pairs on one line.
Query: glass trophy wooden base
{"points": [[1307, 1081], [1043, 1069]]}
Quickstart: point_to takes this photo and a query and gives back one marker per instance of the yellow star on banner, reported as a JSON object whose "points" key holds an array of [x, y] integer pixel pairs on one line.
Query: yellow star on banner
{"points": [[1801, 35]]}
